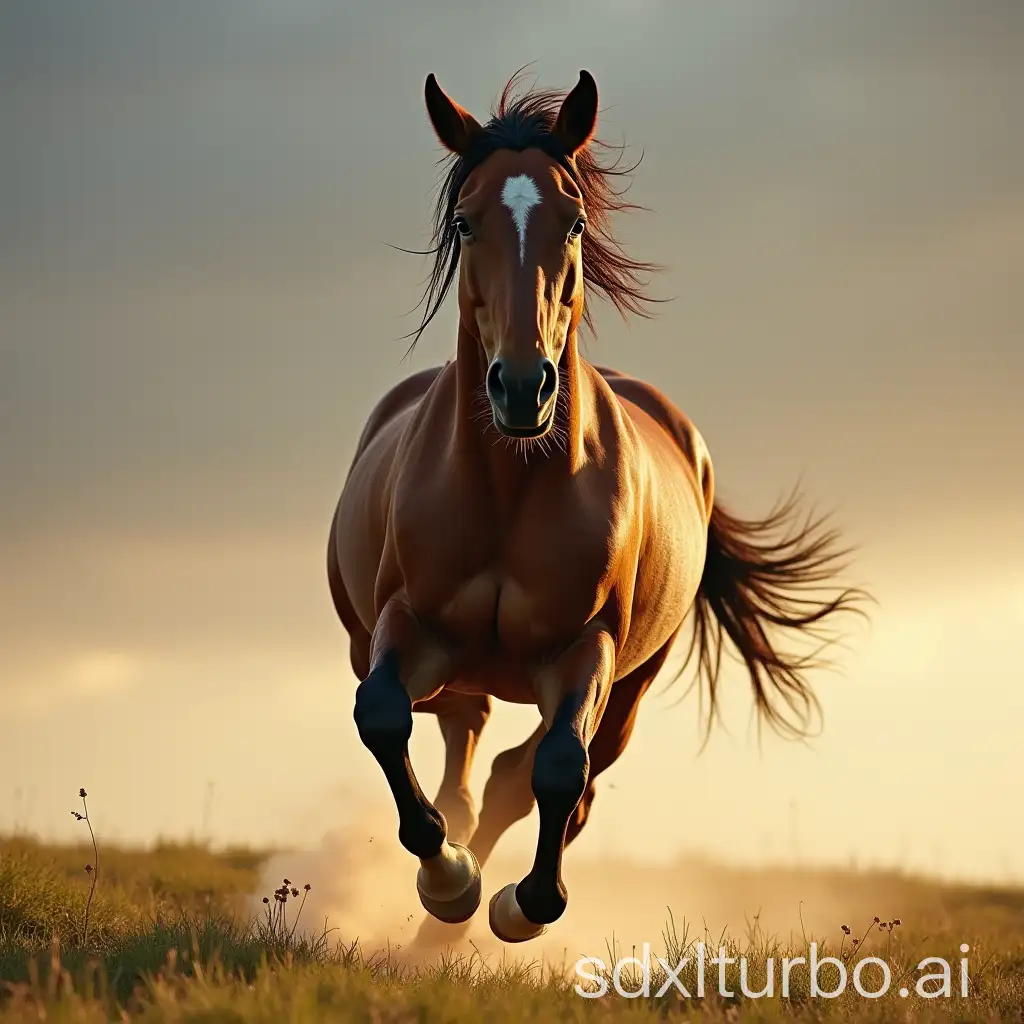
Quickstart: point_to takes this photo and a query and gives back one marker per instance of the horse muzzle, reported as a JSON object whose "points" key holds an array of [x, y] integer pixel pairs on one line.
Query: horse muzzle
{"points": [[523, 403]]}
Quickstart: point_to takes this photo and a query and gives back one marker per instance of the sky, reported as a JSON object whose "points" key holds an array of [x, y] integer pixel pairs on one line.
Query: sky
{"points": [[199, 307]]}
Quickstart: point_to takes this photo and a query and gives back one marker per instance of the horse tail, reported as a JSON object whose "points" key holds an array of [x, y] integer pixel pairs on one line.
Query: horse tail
{"points": [[753, 585]]}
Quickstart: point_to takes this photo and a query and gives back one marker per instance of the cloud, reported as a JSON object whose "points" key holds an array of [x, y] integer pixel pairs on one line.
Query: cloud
{"points": [[101, 672], [45, 683]]}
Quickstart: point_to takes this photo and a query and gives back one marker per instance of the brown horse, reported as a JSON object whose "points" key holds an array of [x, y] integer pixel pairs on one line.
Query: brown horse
{"points": [[519, 524]]}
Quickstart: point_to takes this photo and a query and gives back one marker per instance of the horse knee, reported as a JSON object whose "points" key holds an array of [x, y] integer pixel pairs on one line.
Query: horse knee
{"points": [[561, 770], [383, 710]]}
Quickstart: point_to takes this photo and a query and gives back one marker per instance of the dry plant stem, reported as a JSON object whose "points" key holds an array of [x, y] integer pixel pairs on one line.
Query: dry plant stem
{"points": [[299, 914], [95, 868], [867, 932]]}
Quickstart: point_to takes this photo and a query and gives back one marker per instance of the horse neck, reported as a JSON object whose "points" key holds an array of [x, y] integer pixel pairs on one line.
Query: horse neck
{"points": [[477, 440]]}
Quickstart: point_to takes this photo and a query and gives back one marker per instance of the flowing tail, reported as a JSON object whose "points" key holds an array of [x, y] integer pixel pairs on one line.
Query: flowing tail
{"points": [[754, 585]]}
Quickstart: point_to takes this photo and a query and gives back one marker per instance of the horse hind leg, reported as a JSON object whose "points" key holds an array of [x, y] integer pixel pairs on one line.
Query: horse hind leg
{"points": [[508, 795], [461, 720]]}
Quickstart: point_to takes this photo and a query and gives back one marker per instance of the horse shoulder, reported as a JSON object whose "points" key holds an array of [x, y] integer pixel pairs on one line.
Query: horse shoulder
{"points": [[361, 529]]}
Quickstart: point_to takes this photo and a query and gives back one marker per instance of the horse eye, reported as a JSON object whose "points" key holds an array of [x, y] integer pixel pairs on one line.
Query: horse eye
{"points": [[577, 228], [462, 226]]}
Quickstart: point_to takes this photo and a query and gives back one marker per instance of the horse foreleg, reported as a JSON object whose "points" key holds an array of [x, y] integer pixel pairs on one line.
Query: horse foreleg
{"points": [[406, 667], [572, 694], [616, 728]]}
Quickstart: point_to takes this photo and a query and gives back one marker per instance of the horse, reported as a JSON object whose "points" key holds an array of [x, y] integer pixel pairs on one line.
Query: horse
{"points": [[520, 525]]}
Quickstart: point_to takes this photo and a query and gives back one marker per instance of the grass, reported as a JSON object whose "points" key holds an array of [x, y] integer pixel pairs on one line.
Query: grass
{"points": [[168, 939]]}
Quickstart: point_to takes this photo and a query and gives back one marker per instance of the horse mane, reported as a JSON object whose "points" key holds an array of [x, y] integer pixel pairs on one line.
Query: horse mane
{"points": [[524, 120]]}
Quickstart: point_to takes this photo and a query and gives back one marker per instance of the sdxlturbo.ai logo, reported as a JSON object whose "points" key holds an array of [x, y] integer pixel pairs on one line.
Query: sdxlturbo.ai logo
{"points": [[871, 976]]}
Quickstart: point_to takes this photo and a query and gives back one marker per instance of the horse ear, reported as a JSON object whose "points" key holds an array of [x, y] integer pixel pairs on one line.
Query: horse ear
{"points": [[577, 118], [456, 128]]}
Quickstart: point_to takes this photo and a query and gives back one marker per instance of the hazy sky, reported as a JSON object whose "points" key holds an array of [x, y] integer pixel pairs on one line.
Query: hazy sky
{"points": [[197, 311]]}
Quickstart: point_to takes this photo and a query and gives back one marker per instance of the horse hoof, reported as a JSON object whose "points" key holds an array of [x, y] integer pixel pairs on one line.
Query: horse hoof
{"points": [[508, 921], [455, 882]]}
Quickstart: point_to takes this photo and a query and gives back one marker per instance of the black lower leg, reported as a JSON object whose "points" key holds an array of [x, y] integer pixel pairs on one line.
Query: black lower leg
{"points": [[579, 816], [383, 716], [561, 768]]}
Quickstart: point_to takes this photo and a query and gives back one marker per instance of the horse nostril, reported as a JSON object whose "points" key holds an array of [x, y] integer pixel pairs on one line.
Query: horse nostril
{"points": [[495, 387], [521, 397], [549, 382]]}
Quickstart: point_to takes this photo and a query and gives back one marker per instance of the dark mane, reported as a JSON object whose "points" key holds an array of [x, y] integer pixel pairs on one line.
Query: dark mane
{"points": [[524, 121]]}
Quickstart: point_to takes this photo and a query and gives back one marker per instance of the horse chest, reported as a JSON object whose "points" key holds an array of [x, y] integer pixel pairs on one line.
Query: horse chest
{"points": [[495, 610], [521, 593]]}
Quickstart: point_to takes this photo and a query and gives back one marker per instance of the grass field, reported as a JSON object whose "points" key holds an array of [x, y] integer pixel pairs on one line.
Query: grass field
{"points": [[172, 937]]}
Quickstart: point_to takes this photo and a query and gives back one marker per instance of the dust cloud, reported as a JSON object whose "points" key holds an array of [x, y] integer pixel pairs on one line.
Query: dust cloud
{"points": [[363, 887]]}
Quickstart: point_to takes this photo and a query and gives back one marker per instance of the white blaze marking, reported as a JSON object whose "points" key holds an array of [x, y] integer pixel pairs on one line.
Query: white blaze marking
{"points": [[520, 195]]}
